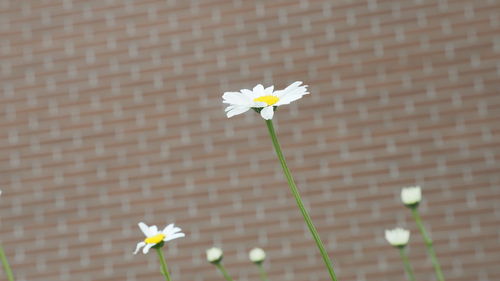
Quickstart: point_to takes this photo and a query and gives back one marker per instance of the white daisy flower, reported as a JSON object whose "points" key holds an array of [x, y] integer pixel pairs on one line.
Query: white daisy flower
{"points": [[397, 237], [155, 237], [214, 255], [263, 100], [257, 255], [411, 196]]}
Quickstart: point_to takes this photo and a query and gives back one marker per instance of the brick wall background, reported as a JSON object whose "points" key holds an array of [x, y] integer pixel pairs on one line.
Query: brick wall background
{"points": [[111, 114]]}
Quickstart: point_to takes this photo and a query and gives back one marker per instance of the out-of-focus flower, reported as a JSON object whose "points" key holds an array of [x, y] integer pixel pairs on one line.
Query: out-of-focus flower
{"points": [[257, 255], [157, 238], [263, 100], [411, 196], [397, 237], [214, 255]]}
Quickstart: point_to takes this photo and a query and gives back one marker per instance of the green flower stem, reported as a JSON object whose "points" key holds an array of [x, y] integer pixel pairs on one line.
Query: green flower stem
{"points": [[6, 266], [263, 273], [223, 271], [406, 262], [163, 263], [298, 199], [428, 243]]}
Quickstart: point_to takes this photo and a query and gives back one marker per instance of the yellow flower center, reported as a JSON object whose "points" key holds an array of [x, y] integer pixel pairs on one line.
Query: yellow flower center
{"points": [[154, 239], [270, 100]]}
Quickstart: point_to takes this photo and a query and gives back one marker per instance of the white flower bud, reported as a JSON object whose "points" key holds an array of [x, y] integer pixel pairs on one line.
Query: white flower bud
{"points": [[397, 237], [411, 196], [257, 255], [214, 255]]}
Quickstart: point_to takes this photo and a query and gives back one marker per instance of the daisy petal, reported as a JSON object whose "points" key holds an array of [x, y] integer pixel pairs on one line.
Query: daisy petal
{"points": [[168, 229], [231, 107], [174, 236], [267, 113], [291, 93], [236, 98], [139, 246], [289, 98], [146, 248], [176, 229], [153, 230], [291, 88], [237, 110], [248, 93], [259, 90], [144, 228], [269, 90]]}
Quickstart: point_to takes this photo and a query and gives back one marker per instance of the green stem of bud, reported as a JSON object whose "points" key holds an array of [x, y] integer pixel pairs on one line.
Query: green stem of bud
{"points": [[223, 271], [263, 273], [428, 244], [406, 262], [6, 266]]}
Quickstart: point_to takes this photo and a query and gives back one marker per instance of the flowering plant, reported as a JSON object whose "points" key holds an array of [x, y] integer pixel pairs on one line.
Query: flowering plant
{"points": [[156, 239], [265, 101]]}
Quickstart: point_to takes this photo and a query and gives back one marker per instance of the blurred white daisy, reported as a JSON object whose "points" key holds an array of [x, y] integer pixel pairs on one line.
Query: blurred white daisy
{"points": [[397, 237], [263, 100], [155, 237], [411, 196], [214, 255], [257, 255]]}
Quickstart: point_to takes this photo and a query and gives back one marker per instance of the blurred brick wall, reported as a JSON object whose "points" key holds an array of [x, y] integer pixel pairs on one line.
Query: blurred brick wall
{"points": [[111, 114]]}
